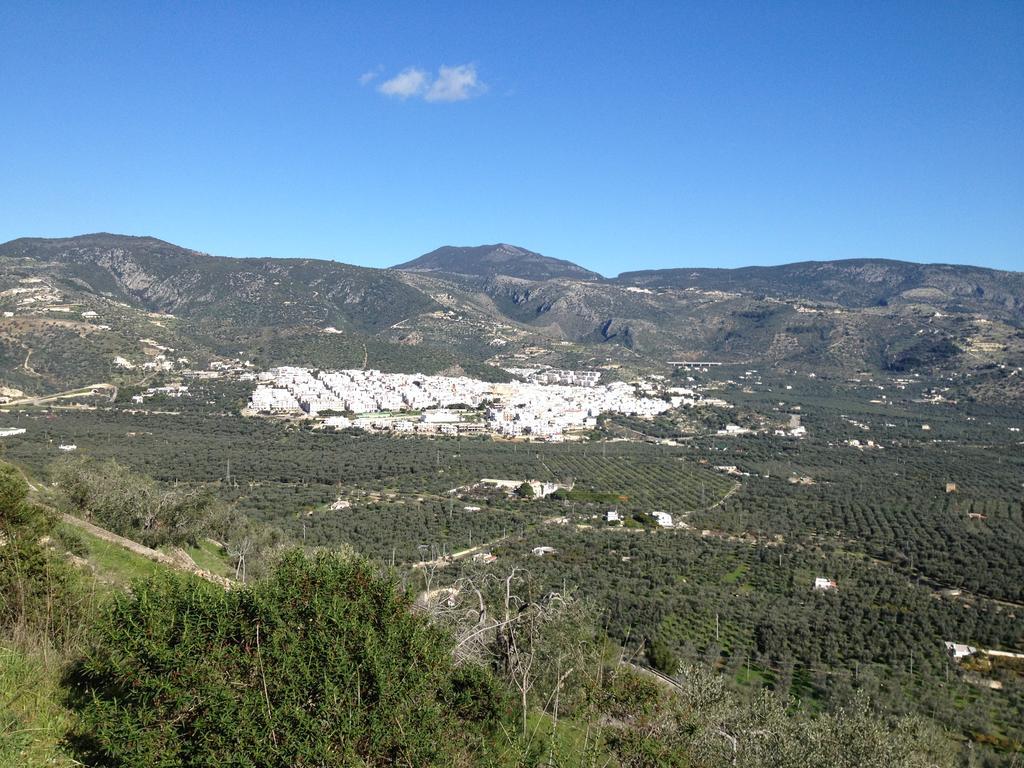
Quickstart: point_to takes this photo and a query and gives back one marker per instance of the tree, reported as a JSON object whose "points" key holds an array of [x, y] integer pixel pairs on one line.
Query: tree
{"points": [[525, 491], [134, 505], [661, 657]]}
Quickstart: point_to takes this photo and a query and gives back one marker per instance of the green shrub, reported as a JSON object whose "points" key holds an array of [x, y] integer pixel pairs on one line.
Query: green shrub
{"points": [[661, 657], [39, 592], [321, 663]]}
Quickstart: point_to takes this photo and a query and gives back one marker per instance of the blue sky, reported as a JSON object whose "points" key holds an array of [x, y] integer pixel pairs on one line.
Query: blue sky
{"points": [[617, 135]]}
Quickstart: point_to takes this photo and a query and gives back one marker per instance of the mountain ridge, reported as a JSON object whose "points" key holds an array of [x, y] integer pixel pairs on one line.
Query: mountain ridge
{"points": [[420, 263], [93, 297]]}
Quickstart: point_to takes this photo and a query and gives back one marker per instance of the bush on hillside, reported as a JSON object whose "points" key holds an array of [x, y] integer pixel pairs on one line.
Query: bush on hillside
{"points": [[321, 663]]}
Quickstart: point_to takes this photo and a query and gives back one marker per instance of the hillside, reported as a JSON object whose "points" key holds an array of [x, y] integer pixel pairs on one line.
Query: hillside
{"points": [[160, 277], [74, 306], [124, 678], [858, 283], [102, 308], [498, 259]]}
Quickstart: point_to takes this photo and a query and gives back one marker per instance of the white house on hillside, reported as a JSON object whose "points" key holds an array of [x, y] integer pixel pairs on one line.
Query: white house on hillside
{"points": [[959, 650]]}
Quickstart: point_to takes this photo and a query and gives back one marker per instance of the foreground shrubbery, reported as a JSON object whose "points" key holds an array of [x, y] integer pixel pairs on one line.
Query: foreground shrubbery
{"points": [[322, 663]]}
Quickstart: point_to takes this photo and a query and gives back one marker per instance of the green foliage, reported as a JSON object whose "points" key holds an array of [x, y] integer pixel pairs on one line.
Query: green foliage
{"points": [[525, 491], [32, 720], [699, 723], [879, 521], [661, 657], [38, 592], [321, 663], [132, 505]]}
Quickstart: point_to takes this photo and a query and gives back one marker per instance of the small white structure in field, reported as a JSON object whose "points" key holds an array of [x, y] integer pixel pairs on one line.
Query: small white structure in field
{"points": [[733, 429], [11, 431], [541, 551], [471, 509], [959, 650], [67, 447], [484, 557], [612, 516], [664, 519], [822, 584]]}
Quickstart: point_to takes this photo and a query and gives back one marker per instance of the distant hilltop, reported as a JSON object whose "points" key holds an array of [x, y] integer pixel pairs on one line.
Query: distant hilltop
{"points": [[499, 259]]}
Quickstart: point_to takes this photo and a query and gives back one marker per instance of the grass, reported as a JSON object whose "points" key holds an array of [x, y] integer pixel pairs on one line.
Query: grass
{"points": [[734, 575], [113, 565], [561, 744], [210, 557], [32, 720], [753, 677]]}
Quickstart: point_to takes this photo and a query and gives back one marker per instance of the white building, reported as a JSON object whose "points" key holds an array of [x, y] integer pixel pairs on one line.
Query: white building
{"points": [[537, 410], [11, 431], [959, 650], [612, 516], [440, 416], [732, 430], [273, 400], [822, 584], [664, 519]]}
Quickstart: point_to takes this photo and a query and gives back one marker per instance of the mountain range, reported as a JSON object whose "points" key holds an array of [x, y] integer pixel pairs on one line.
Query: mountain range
{"points": [[72, 305]]}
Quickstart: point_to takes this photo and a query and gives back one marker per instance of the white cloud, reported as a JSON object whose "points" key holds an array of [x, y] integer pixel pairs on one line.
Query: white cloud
{"points": [[455, 84], [451, 84], [366, 77], [409, 82]]}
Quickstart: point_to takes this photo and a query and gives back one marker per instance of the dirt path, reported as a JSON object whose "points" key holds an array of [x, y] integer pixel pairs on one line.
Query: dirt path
{"points": [[28, 368], [40, 399], [463, 553], [722, 500]]}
